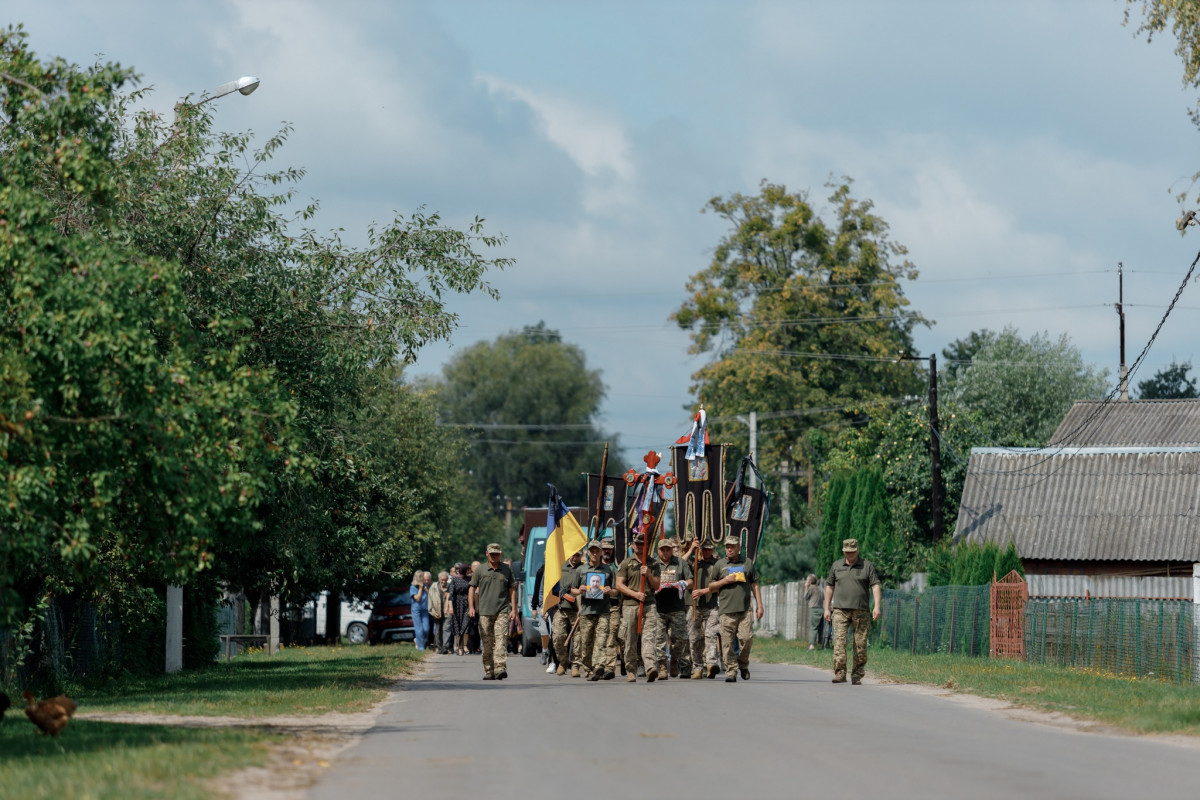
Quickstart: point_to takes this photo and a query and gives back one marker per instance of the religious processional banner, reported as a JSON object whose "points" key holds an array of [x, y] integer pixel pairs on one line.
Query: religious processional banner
{"points": [[612, 511], [746, 516], [699, 495]]}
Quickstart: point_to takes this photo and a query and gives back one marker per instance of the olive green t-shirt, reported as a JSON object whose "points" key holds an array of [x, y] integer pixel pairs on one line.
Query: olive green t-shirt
{"points": [[630, 572], [565, 601], [587, 576], [734, 598], [667, 599], [852, 584], [491, 589], [704, 576]]}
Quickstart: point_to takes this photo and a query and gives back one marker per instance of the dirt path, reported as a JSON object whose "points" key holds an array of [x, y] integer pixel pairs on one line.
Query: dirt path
{"points": [[293, 766]]}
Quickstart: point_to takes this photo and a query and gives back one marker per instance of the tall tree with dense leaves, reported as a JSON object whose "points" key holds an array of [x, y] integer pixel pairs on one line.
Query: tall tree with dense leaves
{"points": [[800, 313], [1169, 383], [189, 370], [1019, 390], [530, 406]]}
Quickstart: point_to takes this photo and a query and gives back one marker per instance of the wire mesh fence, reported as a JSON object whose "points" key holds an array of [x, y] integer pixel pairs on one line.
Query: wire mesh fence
{"points": [[1136, 638], [941, 619]]}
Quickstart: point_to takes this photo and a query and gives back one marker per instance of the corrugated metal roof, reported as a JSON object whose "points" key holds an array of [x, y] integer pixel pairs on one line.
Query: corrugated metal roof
{"points": [[1130, 422], [1083, 504], [1158, 588]]}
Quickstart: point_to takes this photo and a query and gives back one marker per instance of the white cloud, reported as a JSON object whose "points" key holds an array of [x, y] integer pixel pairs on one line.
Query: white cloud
{"points": [[594, 140]]}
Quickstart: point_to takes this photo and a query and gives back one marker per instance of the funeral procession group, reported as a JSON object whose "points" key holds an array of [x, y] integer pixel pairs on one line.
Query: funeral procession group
{"points": [[631, 599]]}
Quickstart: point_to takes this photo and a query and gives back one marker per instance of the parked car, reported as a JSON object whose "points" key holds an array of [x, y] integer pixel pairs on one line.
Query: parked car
{"points": [[391, 616], [355, 614]]}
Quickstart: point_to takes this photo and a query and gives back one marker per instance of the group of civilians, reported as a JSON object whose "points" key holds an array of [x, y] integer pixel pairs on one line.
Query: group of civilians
{"points": [[440, 611]]}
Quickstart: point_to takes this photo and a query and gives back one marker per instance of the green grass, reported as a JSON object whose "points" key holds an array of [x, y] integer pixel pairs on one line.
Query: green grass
{"points": [[116, 760], [1135, 705], [296, 680]]}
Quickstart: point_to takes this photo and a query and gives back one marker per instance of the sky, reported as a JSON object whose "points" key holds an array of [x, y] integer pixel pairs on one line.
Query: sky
{"points": [[1019, 150]]}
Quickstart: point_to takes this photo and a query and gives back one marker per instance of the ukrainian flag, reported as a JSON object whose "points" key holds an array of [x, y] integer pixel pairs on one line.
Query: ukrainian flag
{"points": [[566, 539]]}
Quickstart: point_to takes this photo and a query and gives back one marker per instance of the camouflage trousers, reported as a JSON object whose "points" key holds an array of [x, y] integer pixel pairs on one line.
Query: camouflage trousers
{"points": [[843, 619], [493, 629], [564, 620], [591, 642], [613, 645], [631, 640], [703, 630], [663, 629], [739, 626]]}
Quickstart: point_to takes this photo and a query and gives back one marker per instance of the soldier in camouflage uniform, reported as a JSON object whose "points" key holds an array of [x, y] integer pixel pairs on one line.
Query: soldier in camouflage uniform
{"points": [[734, 581], [591, 587], [670, 578], [564, 620], [612, 652], [492, 598], [846, 604], [704, 627], [630, 577]]}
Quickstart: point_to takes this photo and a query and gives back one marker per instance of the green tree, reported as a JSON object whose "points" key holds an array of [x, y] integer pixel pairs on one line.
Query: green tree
{"points": [[839, 485], [1020, 390], [959, 353], [1169, 383], [801, 313], [192, 379], [123, 440], [530, 406], [1007, 561]]}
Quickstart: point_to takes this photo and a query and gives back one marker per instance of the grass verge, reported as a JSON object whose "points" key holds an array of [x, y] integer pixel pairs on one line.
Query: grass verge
{"points": [[104, 759], [1135, 705]]}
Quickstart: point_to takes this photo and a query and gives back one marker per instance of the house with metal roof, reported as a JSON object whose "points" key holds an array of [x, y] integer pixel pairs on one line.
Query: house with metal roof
{"points": [[1114, 497]]}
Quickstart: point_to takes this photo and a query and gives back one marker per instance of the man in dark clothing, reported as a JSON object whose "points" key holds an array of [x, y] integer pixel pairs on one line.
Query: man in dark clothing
{"points": [[704, 627]]}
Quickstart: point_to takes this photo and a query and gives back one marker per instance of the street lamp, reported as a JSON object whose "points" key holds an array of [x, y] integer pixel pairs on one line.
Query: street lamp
{"points": [[174, 654]]}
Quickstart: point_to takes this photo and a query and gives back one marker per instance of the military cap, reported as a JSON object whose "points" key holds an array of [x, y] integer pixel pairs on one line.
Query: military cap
{"points": [[850, 545], [666, 543], [494, 548], [731, 539], [707, 544], [593, 543], [607, 544]]}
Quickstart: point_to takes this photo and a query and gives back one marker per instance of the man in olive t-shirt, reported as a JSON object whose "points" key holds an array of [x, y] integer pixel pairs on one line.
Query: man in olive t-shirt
{"points": [[670, 578], [564, 620], [591, 586], [734, 581], [704, 627], [849, 581], [631, 586], [492, 598]]}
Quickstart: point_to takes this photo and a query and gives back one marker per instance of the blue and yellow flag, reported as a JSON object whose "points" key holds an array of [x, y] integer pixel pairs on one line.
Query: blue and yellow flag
{"points": [[566, 539]]}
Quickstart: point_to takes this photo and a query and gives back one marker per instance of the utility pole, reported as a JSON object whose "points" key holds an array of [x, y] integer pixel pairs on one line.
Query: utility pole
{"points": [[751, 422], [1124, 372], [785, 496], [935, 445], [935, 451]]}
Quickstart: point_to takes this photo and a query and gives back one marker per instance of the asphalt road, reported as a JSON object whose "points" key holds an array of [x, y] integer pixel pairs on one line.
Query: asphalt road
{"points": [[786, 733]]}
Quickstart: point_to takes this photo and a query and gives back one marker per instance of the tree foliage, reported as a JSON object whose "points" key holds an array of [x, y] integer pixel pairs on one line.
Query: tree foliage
{"points": [[194, 381], [1169, 383], [530, 405], [802, 314], [1182, 17], [1019, 390]]}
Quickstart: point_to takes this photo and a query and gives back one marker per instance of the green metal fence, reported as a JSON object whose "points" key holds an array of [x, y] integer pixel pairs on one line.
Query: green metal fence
{"points": [[941, 619], [1135, 638]]}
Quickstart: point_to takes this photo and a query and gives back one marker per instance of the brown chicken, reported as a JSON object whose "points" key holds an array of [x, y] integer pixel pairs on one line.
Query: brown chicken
{"points": [[51, 714]]}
